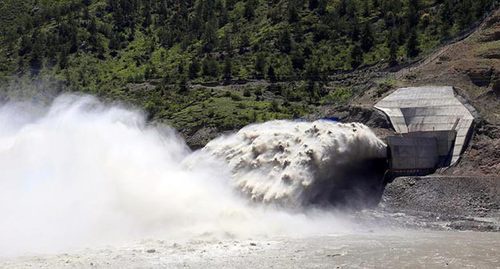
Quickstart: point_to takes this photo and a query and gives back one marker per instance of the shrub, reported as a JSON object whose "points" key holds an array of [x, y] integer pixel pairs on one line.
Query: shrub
{"points": [[247, 93], [236, 97]]}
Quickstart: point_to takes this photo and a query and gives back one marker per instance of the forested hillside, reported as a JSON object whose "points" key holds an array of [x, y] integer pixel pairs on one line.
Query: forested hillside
{"points": [[162, 54]]}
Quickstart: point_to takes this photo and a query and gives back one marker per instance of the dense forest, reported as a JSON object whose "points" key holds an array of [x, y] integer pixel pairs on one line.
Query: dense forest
{"points": [[173, 57]]}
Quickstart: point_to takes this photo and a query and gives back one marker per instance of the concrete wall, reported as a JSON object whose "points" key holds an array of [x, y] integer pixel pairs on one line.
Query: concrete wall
{"points": [[430, 108], [445, 143], [413, 153]]}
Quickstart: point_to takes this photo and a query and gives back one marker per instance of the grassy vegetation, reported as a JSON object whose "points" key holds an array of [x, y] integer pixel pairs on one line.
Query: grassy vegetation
{"points": [[155, 53]]}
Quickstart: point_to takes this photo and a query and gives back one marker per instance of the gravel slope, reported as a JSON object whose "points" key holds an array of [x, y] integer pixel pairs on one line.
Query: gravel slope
{"points": [[463, 203]]}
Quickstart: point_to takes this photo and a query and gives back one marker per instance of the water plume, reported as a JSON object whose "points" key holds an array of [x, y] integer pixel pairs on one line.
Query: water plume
{"points": [[299, 163], [79, 173]]}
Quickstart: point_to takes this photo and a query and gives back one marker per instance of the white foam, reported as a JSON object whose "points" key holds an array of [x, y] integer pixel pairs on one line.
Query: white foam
{"points": [[79, 173], [283, 161]]}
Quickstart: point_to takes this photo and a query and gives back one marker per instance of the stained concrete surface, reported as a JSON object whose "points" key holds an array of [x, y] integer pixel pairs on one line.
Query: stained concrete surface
{"points": [[430, 108]]}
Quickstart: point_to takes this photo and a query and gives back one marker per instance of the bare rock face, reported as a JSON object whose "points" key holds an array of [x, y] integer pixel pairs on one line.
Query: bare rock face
{"points": [[491, 35], [492, 54], [480, 76], [369, 116], [201, 137], [482, 157], [496, 87], [454, 200]]}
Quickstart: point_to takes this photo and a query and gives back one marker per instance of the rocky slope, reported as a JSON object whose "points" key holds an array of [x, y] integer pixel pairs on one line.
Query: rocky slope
{"points": [[472, 66], [463, 203]]}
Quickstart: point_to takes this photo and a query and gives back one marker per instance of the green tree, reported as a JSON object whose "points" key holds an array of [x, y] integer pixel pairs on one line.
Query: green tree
{"points": [[271, 74], [226, 44], [210, 67], [285, 42], [25, 46], [228, 69], [194, 69], [412, 44], [63, 59], [210, 39], [392, 44], [275, 106], [260, 65], [393, 53], [356, 56], [312, 90], [36, 60], [183, 85], [293, 14], [244, 42], [367, 38], [313, 4], [414, 6], [250, 7], [446, 20]]}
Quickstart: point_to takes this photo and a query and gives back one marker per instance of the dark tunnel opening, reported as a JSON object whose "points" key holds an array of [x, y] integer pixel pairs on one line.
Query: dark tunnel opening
{"points": [[356, 186]]}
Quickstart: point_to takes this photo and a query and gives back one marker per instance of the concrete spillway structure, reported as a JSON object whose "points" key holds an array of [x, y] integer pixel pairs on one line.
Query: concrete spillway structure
{"points": [[429, 109]]}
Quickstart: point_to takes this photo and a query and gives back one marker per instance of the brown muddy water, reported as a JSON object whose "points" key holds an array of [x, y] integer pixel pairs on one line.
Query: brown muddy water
{"points": [[396, 249]]}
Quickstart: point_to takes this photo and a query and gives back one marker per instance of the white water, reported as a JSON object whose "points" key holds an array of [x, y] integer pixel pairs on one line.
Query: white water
{"points": [[80, 173], [288, 162]]}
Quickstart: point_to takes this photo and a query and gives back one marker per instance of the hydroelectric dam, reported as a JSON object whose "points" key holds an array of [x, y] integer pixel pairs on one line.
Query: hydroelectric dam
{"points": [[433, 126], [324, 162]]}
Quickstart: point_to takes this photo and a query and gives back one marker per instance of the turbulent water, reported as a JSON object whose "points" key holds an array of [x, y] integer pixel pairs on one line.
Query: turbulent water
{"points": [[79, 173], [293, 163]]}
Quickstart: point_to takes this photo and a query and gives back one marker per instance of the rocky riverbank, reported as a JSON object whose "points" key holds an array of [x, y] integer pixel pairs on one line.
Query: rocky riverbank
{"points": [[445, 202]]}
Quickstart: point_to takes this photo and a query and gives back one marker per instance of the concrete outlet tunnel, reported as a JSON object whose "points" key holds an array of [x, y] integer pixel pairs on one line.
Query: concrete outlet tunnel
{"points": [[433, 127]]}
